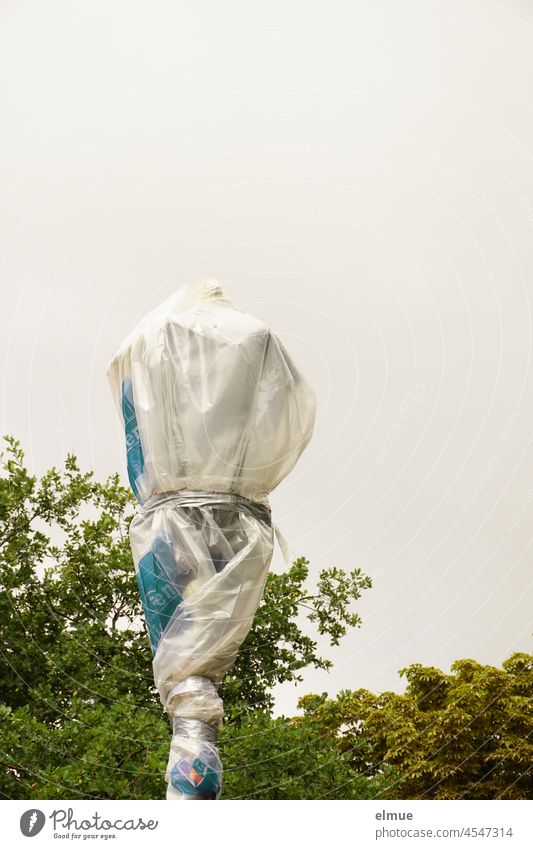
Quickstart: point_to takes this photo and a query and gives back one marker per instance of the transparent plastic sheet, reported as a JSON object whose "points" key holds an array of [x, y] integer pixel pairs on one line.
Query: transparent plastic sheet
{"points": [[201, 561], [210, 399], [215, 414], [194, 770]]}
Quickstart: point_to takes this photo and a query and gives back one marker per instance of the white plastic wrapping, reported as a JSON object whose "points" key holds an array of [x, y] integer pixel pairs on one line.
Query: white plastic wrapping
{"points": [[218, 403], [215, 415]]}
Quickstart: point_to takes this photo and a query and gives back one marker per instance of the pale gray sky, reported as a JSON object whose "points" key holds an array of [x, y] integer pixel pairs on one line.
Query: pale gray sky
{"points": [[357, 174]]}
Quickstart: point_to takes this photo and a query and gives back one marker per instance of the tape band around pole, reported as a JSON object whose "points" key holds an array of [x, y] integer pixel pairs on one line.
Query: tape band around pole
{"points": [[192, 684], [194, 729], [204, 498]]}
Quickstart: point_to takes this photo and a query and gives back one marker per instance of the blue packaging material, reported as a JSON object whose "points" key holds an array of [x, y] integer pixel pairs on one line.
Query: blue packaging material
{"points": [[160, 587], [135, 458]]}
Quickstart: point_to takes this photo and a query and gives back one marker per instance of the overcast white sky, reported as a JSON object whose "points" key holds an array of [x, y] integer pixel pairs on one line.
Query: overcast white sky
{"points": [[357, 174]]}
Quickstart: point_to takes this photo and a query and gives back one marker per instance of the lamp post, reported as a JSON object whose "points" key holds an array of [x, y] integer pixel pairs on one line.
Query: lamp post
{"points": [[215, 415]]}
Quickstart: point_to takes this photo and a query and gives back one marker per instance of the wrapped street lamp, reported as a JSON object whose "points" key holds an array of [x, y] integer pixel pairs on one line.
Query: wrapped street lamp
{"points": [[215, 416]]}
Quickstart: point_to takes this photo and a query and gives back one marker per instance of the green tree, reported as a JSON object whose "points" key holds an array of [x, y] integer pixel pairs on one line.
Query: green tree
{"points": [[466, 735], [80, 714], [293, 758]]}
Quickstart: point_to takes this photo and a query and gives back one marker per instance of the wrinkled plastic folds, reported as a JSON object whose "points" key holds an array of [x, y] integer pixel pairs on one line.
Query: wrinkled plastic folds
{"points": [[215, 415]]}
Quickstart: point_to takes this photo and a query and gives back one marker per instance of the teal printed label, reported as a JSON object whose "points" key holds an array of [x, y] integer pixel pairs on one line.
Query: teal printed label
{"points": [[134, 449], [159, 587], [195, 778]]}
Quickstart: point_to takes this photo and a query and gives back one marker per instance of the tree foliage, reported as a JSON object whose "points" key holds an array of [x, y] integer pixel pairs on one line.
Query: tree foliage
{"points": [[80, 714], [293, 758], [465, 735]]}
